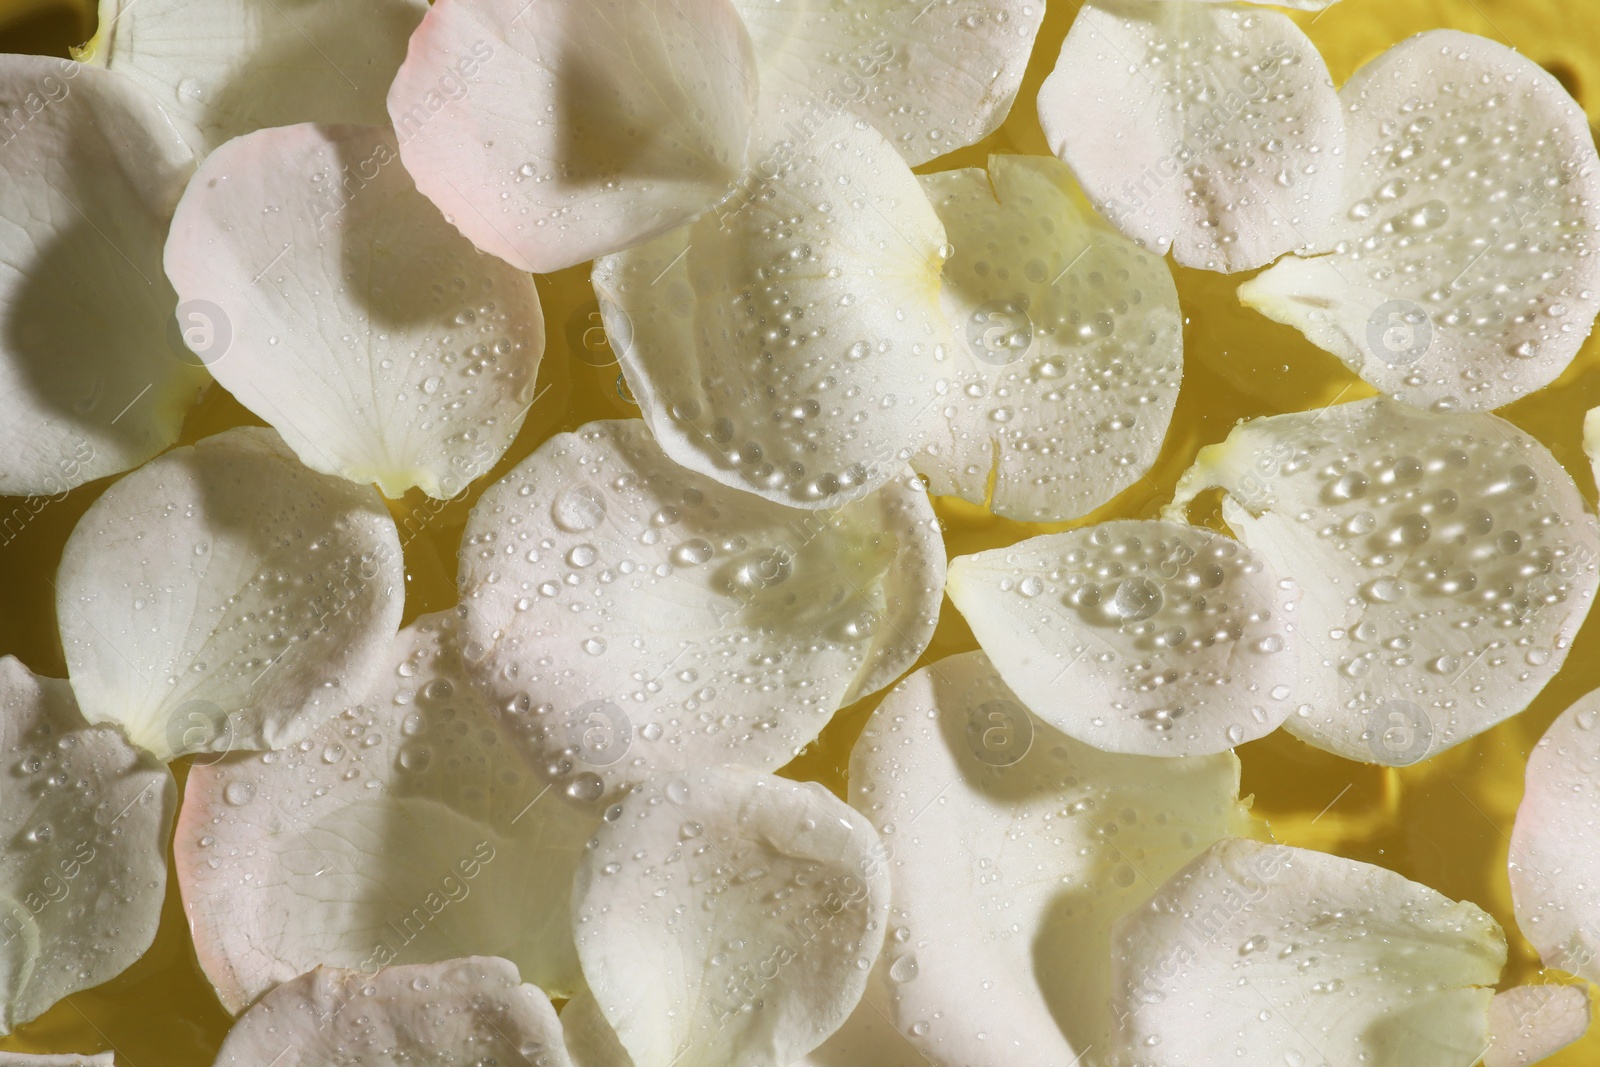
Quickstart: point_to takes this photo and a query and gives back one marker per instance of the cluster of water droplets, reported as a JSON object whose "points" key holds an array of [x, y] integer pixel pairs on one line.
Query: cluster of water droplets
{"points": [[626, 612]]}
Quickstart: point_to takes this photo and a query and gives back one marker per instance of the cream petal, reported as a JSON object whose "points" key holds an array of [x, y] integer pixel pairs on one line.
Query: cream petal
{"points": [[1152, 638], [1445, 563], [632, 617], [226, 597], [788, 343], [85, 817], [1012, 849], [1464, 271], [404, 830], [1069, 347], [1213, 131], [93, 380]]}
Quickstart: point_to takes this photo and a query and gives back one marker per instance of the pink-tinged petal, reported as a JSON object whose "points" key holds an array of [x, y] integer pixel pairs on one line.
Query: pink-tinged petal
{"points": [[404, 830], [1528, 1023], [84, 816], [1211, 131], [458, 1013], [1464, 269], [92, 379], [225, 597], [361, 325], [553, 131]]}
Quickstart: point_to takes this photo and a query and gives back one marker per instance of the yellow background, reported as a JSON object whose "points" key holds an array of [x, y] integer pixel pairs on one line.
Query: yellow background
{"points": [[1443, 822]]}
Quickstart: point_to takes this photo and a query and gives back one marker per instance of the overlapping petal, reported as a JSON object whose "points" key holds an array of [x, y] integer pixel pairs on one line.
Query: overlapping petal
{"points": [[91, 380], [405, 830], [788, 343], [1528, 1023], [1554, 863], [1073, 346], [1259, 953], [84, 816], [457, 1013], [1012, 849], [1210, 130], [224, 596], [553, 132], [1464, 271], [633, 617], [726, 916], [933, 77], [1153, 638], [361, 325], [1446, 562], [228, 67]]}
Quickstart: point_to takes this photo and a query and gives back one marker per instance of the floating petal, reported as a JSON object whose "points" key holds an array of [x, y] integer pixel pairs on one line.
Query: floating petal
{"points": [[554, 131], [724, 916], [1262, 954], [1153, 638], [632, 617], [1445, 563], [1012, 849], [1072, 353], [405, 830], [361, 325], [225, 597], [1213, 131], [85, 817], [93, 380], [1465, 269], [788, 343], [457, 1013]]}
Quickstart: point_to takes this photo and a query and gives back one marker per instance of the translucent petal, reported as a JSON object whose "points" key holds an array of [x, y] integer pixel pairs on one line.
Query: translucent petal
{"points": [[1528, 1023], [933, 77], [1152, 638], [1262, 954], [458, 1013], [1012, 849], [1446, 561], [788, 343], [726, 916], [1069, 347], [1464, 269], [618, 605], [1211, 130], [553, 132], [224, 596], [405, 830], [91, 383], [590, 1040], [84, 816], [232, 66], [1553, 861], [357, 321]]}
